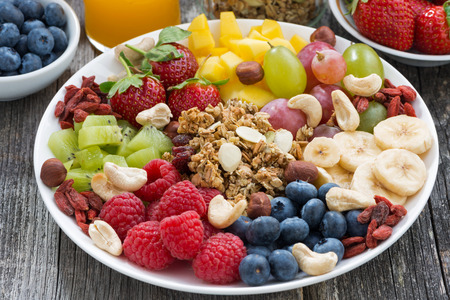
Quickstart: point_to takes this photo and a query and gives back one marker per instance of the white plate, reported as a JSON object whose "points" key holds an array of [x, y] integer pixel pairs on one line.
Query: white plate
{"points": [[340, 12], [180, 276]]}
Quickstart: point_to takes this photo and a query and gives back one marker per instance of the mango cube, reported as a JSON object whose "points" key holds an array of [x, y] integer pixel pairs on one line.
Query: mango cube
{"points": [[229, 25], [255, 95], [298, 42], [231, 89], [256, 28], [283, 42], [271, 29], [257, 36], [213, 70], [199, 23], [250, 49], [230, 61], [201, 42], [218, 51]]}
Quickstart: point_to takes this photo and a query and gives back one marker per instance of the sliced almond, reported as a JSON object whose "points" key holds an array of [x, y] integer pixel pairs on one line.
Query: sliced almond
{"points": [[249, 134], [230, 156], [283, 139]]}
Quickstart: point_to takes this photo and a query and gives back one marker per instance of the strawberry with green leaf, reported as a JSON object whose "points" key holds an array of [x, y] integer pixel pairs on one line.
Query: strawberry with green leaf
{"points": [[133, 93], [387, 22], [432, 35], [193, 92], [171, 61]]}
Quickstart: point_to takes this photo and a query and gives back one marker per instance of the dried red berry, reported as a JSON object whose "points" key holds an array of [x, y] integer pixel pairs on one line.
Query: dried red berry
{"points": [[354, 250], [365, 215], [380, 213], [382, 232], [393, 107], [371, 242]]}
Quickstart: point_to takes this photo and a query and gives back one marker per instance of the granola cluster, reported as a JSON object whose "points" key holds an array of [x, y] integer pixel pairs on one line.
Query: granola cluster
{"points": [[263, 163]]}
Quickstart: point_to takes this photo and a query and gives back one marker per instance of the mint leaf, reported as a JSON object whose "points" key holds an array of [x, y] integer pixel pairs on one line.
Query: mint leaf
{"points": [[172, 34], [163, 53]]}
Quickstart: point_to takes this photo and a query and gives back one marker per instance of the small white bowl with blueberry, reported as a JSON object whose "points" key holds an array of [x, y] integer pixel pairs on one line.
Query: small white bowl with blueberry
{"points": [[38, 40]]}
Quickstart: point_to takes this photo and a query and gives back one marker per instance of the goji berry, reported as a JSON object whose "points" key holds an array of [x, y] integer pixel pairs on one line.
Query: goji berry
{"points": [[379, 199], [371, 242], [388, 84], [354, 250], [80, 216], [409, 110], [78, 201], [408, 93], [399, 210], [393, 107], [84, 227], [63, 203], [59, 109], [382, 232], [392, 220], [352, 240], [365, 215], [380, 213]]}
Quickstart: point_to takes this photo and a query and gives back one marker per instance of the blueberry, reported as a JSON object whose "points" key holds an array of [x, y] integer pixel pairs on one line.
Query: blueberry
{"points": [[300, 191], [239, 227], [21, 46], [40, 41], [263, 231], [254, 270], [333, 225], [282, 208], [323, 190], [31, 24], [260, 250], [11, 14], [60, 39], [9, 35], [9, 59], [330, 244], [30, 62], [6, 1], [312, 212], [283, 265], [312, 239], [31, 9], [354, 228], [293, 230], [54, 15], [289, 248]]}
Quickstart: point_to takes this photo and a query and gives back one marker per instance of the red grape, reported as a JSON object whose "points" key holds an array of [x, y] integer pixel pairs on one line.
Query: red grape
{"points": [[282, 116], [325, 131], [322, 92], [329, 66]]}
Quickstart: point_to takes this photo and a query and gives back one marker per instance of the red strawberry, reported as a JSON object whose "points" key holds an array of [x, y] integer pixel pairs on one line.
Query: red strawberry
{"points": [[432, 35], [418, 6], [438, 2], [175, 71], [173, 62], [193, 93], [134, 93], [388, 22]]}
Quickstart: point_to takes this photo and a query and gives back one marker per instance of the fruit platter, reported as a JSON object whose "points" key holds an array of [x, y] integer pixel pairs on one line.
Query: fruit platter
{"points": [[411, 56], [185, 184]]}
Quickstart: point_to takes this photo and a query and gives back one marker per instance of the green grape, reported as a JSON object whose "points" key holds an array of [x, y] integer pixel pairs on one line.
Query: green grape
{"points": [[368, 119], [362, 61], [284, 73]]}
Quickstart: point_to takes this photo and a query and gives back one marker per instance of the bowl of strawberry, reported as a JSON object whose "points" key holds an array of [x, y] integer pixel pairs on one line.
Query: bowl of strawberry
{"points": [[413, 32]]}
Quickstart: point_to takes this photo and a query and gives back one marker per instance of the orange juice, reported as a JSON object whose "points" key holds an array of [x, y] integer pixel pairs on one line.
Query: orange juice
{"points": [[112, 22]]}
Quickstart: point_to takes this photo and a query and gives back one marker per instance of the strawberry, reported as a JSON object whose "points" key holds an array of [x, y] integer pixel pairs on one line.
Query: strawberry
{"points": [[418, 6], [438, 2], [387, 22], [191, 93], [171, 61], [432, 35], [133, 93]]}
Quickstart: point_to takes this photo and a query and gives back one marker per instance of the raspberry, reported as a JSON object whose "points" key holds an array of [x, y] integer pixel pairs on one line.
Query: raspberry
{"points": [[123, 212], [208, 194], [219, 258], [160, 176], [209, 230], [183, 234], [181, 197], [149, 210], [144, 246]]}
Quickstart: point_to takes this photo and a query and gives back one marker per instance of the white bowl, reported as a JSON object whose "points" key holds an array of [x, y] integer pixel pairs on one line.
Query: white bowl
{"points": [[341, 13], [19, 86], [180, 276]]}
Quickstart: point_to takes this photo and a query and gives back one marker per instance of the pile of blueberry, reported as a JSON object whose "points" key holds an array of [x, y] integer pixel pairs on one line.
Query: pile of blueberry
{"points": [[300, 217], [31, 35]]}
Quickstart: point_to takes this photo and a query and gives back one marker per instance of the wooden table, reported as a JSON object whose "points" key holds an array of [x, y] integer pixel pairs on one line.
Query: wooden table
{"points": [[38, 261]]}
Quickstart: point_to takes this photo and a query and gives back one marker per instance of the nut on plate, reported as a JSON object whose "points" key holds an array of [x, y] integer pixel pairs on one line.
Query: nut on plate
{"points": [[324, 34], [105, 237], [249, 72], [53, 172], [259, 205], [301, 170]]}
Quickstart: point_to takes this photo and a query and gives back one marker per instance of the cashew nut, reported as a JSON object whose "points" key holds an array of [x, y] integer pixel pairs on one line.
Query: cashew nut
{"points": [[223, 213], [347, 116], [136, 58], [105, 237], [310, 106], [340, 199], [104, 188], [125, 178], [366, 86], [283, 139], [158, 116], [313, 263], [230, 157]]}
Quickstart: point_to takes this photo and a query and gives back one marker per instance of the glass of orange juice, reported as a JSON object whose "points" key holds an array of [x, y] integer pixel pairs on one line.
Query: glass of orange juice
{"points": [[112, 22]]}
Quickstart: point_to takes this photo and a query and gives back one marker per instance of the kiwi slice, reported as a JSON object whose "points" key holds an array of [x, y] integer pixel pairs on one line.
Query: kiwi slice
{"points": [[99, 136], [128, 133], [64, 144], [116, 159], [141, 157], [90, 158], [99, 120], [149, 136], [77, 126], [81, 179]]}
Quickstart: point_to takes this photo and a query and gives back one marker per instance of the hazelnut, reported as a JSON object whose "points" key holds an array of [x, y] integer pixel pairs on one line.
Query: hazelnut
{"points": [[323, 34], [53, 172], [171, 129], [301, 170], [259, 205], [249, 72]]}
